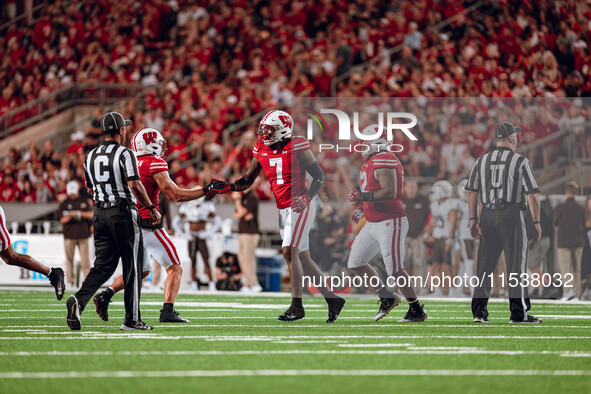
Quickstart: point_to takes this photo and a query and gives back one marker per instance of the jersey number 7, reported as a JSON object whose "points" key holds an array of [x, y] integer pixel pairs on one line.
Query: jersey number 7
{"points": [[277, 162]]}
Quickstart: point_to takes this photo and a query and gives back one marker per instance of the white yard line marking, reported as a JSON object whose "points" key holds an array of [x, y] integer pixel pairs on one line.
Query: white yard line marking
{"points": [[102, 336], [466, 319], [290, 372], [273, 324], [413, 351], [582, 312]]}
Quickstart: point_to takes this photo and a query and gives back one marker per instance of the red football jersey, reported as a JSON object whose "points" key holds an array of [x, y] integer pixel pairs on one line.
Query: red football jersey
{"points": [[149, 165], [382, 210], [283, 169]]}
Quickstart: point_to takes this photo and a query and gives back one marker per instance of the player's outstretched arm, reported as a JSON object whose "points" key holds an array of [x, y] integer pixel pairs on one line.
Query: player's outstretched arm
{"points": [[248, 178], [172, 191]]}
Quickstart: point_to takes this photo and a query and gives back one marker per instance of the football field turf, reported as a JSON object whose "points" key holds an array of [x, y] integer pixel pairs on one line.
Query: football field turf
{"points": [[235, 343]]}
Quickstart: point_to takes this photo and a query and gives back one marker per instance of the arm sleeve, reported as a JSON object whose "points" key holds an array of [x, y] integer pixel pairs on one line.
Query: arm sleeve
{"points": [[130, 165], [529, 182], [316, 172], [473, 184]]}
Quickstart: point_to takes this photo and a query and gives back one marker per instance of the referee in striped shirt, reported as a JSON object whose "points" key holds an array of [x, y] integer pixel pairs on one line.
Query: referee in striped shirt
{"points": [[112, 178], [505, 182]]}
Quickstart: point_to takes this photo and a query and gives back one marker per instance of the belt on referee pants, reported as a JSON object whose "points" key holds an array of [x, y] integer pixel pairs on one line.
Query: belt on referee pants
{"points": [[123, 204], [502, 205]]}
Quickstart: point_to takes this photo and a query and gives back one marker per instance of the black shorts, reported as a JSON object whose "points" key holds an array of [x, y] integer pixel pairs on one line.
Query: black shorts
{"points": [[198, 245], [438, 253]]}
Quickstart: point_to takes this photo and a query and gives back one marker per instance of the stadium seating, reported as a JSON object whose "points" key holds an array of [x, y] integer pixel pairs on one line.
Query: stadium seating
{"points": [[222, 62]]}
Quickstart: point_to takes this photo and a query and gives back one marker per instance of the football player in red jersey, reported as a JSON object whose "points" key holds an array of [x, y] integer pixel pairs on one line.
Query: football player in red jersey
{"points": [[285, 161], [149, 147], [381, 202]]}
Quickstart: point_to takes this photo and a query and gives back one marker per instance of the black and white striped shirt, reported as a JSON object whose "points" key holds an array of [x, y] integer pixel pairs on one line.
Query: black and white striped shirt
{"points": [[107, 169], [502, 177]]}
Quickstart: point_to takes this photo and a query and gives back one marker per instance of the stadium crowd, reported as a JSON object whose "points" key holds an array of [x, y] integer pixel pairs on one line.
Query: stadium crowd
{"points": [[222, 62]]}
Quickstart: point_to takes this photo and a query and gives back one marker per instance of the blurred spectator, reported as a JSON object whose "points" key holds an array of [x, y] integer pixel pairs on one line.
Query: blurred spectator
{"points": [[586, 257], [227, 272], [569, 218], [9, 190], [413, 38], [77, 145], [328, 237], [538, 251], [452, 157], [247, 212], [417, 210], [75, 214]]}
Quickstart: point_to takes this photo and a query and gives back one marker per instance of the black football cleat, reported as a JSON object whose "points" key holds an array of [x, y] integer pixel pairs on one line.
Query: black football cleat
{"points": [[136, 326], [73, 318], [171, 317], [292, 314], [386, 305], [335, 305], [56, 278], [529, 319], [102, 305], [414, 315]]}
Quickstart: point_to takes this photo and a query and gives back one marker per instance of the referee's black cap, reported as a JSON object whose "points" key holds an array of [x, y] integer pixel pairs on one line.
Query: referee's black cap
{"points": [[505, 129], [111, 122]]}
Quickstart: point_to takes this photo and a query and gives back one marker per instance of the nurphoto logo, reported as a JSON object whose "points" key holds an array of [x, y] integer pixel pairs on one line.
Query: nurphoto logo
{"points": [[384, 129]]}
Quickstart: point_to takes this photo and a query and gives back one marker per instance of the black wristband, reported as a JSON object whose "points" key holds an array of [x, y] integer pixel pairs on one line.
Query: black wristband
{"points": [[538, 222], [151, 208], [474, 218], [232, 186], [365, 196]]}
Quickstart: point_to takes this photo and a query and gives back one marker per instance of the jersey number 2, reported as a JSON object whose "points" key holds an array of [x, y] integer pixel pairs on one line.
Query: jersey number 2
{"points": [[363, 180], [278, 164]]}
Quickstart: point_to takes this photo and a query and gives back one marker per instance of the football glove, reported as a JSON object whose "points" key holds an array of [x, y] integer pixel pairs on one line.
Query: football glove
{"points": [[354, 195], [357, 215], [217, 186], [300, 203]]}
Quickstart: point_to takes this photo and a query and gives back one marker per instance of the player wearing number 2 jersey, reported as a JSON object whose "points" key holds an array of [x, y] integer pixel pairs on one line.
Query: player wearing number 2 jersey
{"points": [[381, 201], [285, 161]]}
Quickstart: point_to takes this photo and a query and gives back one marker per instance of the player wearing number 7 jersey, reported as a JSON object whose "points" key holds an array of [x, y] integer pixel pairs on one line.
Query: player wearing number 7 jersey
{"points": [[285, 161], [381, 201]]}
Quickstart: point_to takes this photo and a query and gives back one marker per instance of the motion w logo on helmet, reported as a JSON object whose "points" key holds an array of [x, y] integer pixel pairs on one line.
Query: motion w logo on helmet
{"points": [[150, 136]]}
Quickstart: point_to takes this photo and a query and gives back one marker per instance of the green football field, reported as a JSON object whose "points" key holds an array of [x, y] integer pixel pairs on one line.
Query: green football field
{"points": [[235, 343]]}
